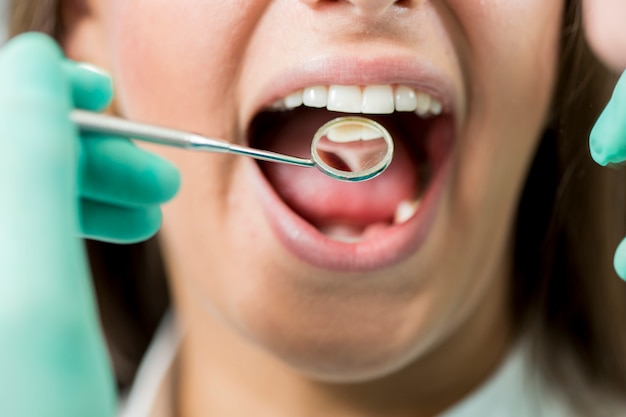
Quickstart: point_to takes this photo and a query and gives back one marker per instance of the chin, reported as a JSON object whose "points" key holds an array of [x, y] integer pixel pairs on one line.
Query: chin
{"points": [[339, 339]]}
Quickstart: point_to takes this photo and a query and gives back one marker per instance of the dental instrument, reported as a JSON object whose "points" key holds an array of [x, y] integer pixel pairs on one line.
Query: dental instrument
{"points": [[349, 149]]}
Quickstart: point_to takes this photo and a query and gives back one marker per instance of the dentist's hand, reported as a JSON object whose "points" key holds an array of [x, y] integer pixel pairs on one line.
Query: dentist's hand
{"points": [[604, 27], [608, 146], [55, 186]]}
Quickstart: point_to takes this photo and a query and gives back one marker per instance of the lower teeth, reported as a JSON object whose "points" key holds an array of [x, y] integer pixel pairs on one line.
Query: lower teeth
{"points": [[354, 234], [342, 233], [351, 234], [405, 211]]}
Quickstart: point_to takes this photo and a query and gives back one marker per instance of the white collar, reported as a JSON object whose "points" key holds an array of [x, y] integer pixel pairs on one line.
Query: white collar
{"points": [[152, 394], [513, 391]]}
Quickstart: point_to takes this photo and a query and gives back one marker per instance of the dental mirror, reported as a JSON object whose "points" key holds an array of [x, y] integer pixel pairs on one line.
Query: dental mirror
{"points": [[346, 148], [352, 148]]}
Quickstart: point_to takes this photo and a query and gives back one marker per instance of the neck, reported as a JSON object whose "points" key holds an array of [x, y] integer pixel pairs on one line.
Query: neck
{"points": [[223, 374]]}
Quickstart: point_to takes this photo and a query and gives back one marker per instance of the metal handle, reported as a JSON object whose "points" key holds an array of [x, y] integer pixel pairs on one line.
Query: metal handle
{"points": [[101, 123]]}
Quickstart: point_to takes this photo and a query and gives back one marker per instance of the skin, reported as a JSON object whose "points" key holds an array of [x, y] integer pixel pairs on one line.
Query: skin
{"points": [[604, 27], [266, 333]]}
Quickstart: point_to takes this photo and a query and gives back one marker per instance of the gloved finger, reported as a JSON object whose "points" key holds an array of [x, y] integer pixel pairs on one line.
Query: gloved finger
{"points": [[607, 141], [92, 89], [619, 261], [116, 224], [52, 359], [115, 171]]}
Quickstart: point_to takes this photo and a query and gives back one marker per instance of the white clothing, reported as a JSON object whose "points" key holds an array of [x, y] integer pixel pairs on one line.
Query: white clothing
{"points": [[510, 392]]}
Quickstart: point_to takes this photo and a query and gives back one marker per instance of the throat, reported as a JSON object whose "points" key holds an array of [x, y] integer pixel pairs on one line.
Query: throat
{"points": [[231, 378]]}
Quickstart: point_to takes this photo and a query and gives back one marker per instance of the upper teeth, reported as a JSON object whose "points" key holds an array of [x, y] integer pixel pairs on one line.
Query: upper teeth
{"points": [[351, 133], [371, 99]]}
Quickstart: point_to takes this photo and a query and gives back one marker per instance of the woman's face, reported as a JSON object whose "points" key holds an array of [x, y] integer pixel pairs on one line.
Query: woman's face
{"points": [[332, 278]]}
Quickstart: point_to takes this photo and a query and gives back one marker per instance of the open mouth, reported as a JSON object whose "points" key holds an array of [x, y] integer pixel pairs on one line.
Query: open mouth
{"points": [[353, 226], [355, 213]]}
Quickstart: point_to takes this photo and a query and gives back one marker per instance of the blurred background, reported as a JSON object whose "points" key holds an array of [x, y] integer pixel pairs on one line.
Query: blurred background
{"points": [[2, 20]]}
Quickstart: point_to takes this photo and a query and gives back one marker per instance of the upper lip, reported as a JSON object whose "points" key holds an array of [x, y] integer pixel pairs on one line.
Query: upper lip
{"points": [[412, 71]]}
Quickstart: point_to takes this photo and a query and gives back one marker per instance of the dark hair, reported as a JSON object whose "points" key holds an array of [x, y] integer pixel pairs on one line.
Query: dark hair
{"points": [[570, 219]]}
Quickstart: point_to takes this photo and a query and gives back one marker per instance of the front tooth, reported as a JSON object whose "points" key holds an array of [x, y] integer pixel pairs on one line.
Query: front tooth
{"points": [[406, 99], [351, 132], [423, 104], [378, 99], [344, 98], [345, 133], [294, 100], [369, 133], [405, 210], [315, 97]]}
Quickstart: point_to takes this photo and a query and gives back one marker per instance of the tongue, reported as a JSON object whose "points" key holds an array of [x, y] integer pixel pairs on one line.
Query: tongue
{"points": [[328, 203]]}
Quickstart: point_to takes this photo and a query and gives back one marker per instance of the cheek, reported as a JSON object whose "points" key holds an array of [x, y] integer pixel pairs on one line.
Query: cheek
{"points": [[180, 77], [511, 79], [604, 27], [513, 47], [509, 53], [175, 64]]}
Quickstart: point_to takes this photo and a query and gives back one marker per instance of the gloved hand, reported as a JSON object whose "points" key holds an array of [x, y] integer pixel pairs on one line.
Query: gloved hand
{"points": [[604, 29], [608, 146], [55, 185]]}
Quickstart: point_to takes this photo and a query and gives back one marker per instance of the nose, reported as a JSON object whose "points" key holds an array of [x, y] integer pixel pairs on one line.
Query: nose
{"points": [[369, 8]]}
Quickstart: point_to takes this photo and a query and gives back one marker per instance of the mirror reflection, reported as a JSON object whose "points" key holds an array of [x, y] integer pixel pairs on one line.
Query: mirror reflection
{"points": [[354, 145]]}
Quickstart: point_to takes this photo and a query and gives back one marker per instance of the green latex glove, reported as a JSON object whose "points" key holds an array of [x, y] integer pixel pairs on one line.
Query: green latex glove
{"points": [[608, 146], [54, 186]]}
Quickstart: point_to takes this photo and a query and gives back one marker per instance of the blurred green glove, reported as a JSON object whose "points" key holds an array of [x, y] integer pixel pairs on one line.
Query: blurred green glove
{"points": [[608, 146], [55, 185]]}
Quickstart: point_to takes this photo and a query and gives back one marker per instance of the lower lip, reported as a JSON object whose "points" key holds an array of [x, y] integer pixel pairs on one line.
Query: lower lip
{"points": [[389, 247]]}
